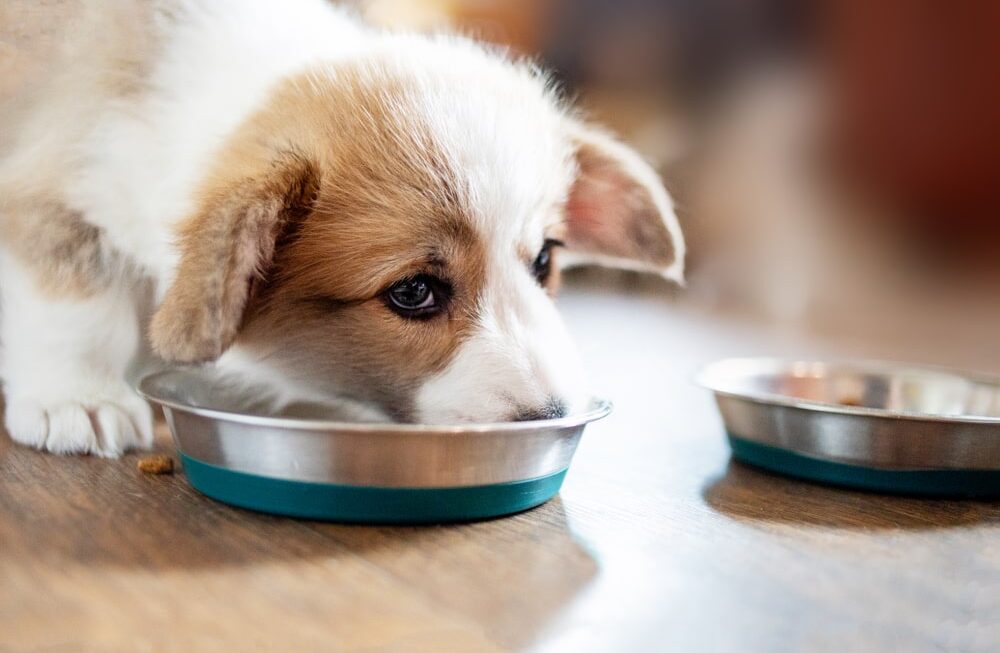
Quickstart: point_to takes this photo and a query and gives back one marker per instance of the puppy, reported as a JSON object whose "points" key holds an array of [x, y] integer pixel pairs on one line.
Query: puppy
{"points": [[332, 210]]}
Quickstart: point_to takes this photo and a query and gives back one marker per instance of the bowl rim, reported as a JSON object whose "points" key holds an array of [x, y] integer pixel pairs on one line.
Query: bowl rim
{"points": [[714, 375], [599, 409]]}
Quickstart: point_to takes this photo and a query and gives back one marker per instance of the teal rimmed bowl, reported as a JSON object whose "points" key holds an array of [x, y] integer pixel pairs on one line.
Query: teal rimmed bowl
{"points": [[886, 427], [362, 472]]}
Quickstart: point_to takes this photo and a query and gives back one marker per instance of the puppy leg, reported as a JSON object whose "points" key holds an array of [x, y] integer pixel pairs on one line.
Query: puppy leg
{"points": [[69, 329]]}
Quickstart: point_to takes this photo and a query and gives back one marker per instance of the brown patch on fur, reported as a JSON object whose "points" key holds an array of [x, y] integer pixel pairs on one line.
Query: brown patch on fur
{"points": [[67, 256], [336, 327], [388, 205], [610, 212]]}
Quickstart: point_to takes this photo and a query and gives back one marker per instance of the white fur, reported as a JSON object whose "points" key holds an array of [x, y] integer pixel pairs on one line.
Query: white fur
{"points": [[64, 363], [520, 357], [254, 385]]}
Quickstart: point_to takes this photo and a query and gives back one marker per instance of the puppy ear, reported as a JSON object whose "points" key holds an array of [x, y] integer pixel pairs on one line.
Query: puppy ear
{"points": [[618, 213], [225, 248]]}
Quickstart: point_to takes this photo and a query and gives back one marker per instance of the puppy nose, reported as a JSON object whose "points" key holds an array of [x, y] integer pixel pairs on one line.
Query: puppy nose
{"points": [[551, 409]]}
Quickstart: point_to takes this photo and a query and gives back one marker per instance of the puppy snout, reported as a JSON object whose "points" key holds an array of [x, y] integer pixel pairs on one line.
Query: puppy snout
{"points": [[551, 409]]}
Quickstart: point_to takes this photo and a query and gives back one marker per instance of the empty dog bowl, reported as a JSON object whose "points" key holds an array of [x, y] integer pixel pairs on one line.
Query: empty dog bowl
{"points": [[872, 425], [359, 472]]}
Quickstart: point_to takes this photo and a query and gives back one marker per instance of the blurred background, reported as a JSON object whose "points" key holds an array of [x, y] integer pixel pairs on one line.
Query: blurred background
{"points": [[834, 162]]}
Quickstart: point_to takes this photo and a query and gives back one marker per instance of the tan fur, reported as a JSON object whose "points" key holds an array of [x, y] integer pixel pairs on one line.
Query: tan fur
{"points": [[68, 258], [339, 325]]}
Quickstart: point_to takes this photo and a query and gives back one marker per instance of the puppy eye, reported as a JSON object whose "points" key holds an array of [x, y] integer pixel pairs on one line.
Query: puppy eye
{"points": [[542, 267], [416, 297]]}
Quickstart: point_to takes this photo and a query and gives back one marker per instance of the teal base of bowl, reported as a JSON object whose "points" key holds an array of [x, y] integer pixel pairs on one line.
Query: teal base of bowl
{"points": [[929, 483], [363, 504]]}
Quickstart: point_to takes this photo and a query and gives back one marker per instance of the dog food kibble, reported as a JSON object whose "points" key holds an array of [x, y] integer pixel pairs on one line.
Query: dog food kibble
{"points": [[158, 464], [850, 401]]}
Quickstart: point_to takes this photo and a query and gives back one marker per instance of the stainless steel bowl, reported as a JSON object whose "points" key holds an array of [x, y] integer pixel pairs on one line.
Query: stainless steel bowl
{"points": [[362, 471], [875, 425]]}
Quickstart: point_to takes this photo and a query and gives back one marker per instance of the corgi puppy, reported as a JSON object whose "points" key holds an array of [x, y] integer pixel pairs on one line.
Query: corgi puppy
{"points": [[338, 212]]}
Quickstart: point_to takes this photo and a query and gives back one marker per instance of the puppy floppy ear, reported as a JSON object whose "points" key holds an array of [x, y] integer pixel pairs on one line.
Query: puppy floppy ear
{"points": [[226, 248], [618, 213]]}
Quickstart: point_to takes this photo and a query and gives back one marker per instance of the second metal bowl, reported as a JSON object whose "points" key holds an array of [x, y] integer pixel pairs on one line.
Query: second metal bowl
{"points": [[361, 472], [873, 425]]}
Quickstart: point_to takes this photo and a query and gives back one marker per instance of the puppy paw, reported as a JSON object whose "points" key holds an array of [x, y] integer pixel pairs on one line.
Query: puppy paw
{"points": [[105, 427]]}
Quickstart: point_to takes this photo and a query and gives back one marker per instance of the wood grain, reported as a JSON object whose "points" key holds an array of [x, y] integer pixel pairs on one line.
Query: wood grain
{"points": [[657, 541]]}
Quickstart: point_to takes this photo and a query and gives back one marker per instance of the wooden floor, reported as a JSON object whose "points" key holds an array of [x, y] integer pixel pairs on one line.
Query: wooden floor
{"points": [[657, 542]]}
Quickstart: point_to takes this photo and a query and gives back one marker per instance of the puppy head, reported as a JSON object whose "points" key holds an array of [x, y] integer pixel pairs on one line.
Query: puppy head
{"points": [[387, 230]]}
